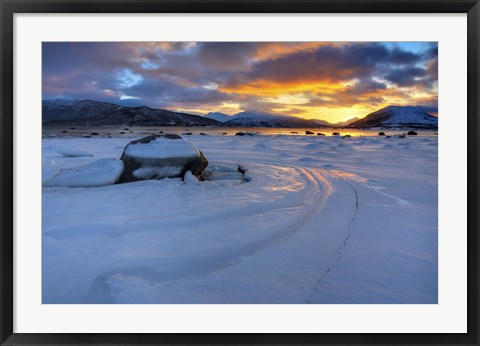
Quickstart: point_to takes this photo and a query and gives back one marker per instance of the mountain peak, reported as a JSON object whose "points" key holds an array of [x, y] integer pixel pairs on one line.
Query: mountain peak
{"points": [[262, 119], [218, 116], [398, 116]]}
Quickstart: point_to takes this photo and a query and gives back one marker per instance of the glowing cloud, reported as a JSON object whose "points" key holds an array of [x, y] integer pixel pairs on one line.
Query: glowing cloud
{"points": [[323, 80]]}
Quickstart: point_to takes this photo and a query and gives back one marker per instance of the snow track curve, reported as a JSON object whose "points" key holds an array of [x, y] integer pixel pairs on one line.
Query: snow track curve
{"points": [[319, 186]]}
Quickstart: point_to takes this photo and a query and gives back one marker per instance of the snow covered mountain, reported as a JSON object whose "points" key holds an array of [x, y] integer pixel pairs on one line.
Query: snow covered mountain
{"points": [[346, 123], [398, 116], [259, 119], [88, 112], [218, 116]]}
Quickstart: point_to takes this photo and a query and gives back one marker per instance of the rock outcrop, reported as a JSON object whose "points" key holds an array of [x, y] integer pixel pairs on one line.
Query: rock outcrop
{"points": [[161, 156]]}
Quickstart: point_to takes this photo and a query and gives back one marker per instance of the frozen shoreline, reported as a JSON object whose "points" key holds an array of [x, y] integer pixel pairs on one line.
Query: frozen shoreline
{"points": [[122, 131], [323, 220]]}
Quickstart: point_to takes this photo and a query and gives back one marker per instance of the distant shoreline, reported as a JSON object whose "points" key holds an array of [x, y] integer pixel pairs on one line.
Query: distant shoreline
{"points": [[125, 131]]}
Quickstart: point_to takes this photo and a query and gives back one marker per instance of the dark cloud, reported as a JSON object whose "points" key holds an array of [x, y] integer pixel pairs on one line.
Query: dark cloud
{"points": [[432, 52], [186, 74], [429, 104], [432, 68], [227, 55], [401, 57], [414, 76], [366, 87], [329, 63], [406, 76]]}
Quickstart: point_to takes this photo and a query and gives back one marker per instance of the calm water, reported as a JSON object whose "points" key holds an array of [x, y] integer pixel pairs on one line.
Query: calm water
{"points": [[135, 131]]}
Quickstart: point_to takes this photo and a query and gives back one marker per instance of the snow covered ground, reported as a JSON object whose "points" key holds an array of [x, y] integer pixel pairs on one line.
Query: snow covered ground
{"points": [[321, 220]]}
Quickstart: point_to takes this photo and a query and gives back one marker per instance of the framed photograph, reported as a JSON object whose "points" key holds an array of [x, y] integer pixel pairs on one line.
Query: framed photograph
{"points": [[254, 172]]}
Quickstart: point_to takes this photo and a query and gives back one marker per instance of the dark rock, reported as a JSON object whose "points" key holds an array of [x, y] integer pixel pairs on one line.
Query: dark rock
{"points": [[401, 136], [293, 132], [122, 133], [187, 134], [335, 134], [320, 134], [381, 133], [72, 128], [412, 133], [94, 134], [87, 137], [245, 134], [160, 131], [347, 136], [64, 131], [139, 167], [202, 134], [126, 129], [309, 133]]}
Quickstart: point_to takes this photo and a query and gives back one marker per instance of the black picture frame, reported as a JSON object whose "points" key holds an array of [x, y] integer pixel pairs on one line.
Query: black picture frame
{"points": [[9, 7]]}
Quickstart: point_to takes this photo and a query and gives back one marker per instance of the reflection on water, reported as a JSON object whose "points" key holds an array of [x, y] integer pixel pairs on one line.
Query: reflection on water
{"points": [[129, 131]]}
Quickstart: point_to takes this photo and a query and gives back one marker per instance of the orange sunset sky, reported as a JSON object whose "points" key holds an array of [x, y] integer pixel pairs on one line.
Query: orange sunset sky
{"points": [[332, 81]]}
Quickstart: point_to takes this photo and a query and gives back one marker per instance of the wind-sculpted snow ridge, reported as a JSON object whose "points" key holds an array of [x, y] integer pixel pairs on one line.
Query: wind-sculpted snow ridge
{"points": [[97, 173], [315, 222]]}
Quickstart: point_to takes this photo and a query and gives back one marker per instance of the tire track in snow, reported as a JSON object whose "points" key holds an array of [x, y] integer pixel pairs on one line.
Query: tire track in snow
{"points": [[222, 258], [343, 245]]}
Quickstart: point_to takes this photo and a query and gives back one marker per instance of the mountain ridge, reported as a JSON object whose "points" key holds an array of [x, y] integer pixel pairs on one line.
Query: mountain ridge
{"points": [[218, 116], [90, 112], [396, 117], [262, 119]]}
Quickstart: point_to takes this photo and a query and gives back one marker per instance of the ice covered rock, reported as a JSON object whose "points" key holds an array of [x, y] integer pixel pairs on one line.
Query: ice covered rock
{"points": [[225, 171], [98, 173], [190, 179], [161, 156]]}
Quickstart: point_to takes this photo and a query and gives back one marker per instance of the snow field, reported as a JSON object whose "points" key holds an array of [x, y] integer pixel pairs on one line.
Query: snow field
{"points": [[322, 220]]}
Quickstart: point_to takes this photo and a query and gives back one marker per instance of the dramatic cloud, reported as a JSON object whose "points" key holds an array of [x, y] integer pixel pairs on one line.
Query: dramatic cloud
{"points": [[332, 81]]}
